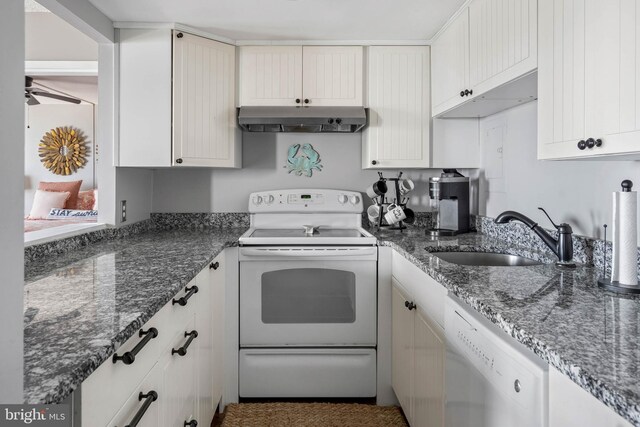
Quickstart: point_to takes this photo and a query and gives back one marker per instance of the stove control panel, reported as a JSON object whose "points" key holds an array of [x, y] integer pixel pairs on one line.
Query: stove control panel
{"points": [[312, 200]]}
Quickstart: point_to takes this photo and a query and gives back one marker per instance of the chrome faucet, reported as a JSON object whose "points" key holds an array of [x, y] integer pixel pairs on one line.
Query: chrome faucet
{"points": [[562, 247]]}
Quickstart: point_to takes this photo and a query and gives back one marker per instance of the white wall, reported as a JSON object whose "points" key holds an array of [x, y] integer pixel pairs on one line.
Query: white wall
{"points": [[84, 16], [11, 193], [264, 161], [577, 192], [136, 187], [49, 38], [42, 118]]}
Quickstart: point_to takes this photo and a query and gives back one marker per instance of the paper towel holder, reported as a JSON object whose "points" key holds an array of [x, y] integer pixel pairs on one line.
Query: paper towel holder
{"points": [[618, 287], [605, 282]]}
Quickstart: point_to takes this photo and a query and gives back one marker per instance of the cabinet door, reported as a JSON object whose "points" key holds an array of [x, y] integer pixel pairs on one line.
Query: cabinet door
{"points": [[588, 77], [398, 131], [204, 114], [502, 42], [204, 354], [152, 416], [561, 78], [332, 75], [428, 374], [612, 76], [210, 325], [270, 75], [572, 406], [450, 58], [179, 379], [402, 325], [217, 307]]}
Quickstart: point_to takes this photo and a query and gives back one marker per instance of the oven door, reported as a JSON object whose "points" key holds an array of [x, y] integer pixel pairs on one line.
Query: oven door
{"points": [[308, 296]]}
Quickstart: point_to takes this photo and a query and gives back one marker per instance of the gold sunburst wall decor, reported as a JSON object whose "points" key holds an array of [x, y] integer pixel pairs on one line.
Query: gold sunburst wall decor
{"points": [[63, 150]]}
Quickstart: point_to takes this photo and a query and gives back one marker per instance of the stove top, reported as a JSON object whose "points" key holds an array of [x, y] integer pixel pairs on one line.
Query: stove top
{"points": [[318, 232], [306, 217]]}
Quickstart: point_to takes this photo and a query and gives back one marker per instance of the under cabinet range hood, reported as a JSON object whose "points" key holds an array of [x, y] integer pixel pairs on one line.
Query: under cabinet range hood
{"points": [[302, 119]]}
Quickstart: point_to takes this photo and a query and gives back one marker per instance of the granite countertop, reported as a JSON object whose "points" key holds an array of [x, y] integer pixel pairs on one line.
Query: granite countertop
{"points": [[560, 314], [82, 305]]}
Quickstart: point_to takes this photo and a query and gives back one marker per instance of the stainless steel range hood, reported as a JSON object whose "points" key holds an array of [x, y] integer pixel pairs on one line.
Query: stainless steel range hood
{"points": [[302, 119]]}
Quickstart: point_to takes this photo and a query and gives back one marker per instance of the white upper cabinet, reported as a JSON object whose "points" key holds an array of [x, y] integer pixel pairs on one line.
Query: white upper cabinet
{"points": [[270, 75], [204, 114], [589, 79], [491, 43], [398, 133], [502, 41], [145, 98], [177, 101], [332, 75], [296, 75], [450, 64]]}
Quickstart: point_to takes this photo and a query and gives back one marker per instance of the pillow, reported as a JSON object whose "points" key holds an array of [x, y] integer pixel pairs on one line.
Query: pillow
{"points": [[86, 200], [72, 187], [44, 201]]}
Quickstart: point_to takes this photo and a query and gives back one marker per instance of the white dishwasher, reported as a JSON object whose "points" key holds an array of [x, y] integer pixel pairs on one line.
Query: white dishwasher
{"points": [[490, 382]]}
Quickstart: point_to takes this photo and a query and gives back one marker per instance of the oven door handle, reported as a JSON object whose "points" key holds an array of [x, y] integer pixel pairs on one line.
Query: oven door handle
{"points": [[316, 253]]}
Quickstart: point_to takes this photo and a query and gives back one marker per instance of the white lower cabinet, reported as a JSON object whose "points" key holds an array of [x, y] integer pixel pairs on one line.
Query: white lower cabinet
{"points": [[210, 324], [181, 364], [428, 363], [572, 406], [177, 367], [401, 349], [145, 403], [417, 343], [418, 353]]}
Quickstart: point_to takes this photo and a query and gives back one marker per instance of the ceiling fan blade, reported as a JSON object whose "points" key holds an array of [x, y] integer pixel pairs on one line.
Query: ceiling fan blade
{"points": [[55, 96], [32, 101]]}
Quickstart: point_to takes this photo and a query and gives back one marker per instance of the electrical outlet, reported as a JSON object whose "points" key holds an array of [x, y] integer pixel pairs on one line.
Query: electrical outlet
{"points": [[123, 210]]}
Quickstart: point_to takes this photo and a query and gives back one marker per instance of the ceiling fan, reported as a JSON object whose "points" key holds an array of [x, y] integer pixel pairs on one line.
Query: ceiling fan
{"points": [[30, 91]]}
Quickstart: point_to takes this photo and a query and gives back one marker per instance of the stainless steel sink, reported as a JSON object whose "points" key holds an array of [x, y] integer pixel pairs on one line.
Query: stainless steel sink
{"points": [[485, 259]]}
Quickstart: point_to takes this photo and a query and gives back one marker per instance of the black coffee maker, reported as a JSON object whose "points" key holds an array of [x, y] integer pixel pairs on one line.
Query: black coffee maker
{"points": [[449, 199]]}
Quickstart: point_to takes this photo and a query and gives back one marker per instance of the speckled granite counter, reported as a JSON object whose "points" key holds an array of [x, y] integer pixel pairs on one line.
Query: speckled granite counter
{"points": [[83, 304], [588, 334]]}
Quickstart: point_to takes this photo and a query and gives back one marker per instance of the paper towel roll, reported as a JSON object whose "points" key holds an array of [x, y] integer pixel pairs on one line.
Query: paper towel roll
{"points": [[624, 266]]}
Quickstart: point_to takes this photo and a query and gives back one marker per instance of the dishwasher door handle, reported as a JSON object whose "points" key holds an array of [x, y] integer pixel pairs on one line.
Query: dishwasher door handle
{"points": [[466, 321]]}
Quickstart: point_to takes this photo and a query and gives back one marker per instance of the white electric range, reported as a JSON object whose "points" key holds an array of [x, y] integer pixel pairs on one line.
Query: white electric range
{"points": [[308, 294]]}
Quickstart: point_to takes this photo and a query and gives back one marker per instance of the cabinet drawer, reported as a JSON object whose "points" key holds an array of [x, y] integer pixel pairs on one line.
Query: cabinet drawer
{"points": [[179, 372], [429, 295], [106, 389], [133, 404], [304, 373]]}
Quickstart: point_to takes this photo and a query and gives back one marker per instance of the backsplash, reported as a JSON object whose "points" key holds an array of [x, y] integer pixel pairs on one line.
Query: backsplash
{"points": [[586, 250], [423, 219], [172, 221]]}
